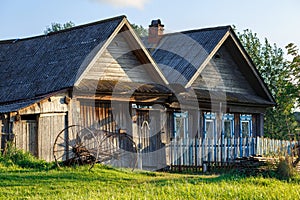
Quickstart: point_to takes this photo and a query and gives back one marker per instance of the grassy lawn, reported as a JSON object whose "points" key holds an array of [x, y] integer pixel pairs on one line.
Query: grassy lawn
{"points": [[110, 183]]}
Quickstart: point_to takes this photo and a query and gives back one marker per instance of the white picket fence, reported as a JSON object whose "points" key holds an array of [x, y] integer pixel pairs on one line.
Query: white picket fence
{"points": [[193, 152]]}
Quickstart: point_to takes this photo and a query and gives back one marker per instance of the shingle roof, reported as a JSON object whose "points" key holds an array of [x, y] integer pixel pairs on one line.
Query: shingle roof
{"points": [[36, 66], [179, 55], [15, 106]]}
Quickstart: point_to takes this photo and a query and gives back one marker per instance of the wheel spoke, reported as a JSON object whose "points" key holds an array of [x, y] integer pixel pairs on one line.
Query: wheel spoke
{"points": [[118, 150], [58, 150], [76, 145]]}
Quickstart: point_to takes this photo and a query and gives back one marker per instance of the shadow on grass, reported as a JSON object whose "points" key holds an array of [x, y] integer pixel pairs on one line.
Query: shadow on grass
{"points": [[101, 174], [198, 178], [81, 174]]}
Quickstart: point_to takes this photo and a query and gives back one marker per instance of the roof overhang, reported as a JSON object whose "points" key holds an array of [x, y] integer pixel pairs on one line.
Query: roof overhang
{"points": [[16, 106]]}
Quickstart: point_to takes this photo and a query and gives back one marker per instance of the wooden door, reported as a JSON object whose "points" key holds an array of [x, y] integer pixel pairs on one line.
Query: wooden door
{"points": [[27, 136], [49, 127], [151, 150]]}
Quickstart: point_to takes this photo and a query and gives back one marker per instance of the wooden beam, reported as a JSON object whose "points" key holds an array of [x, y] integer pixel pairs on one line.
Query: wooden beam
{"points": [[143, 99]]}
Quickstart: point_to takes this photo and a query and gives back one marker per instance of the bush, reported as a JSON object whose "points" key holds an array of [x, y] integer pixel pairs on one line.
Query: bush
{"points": [[14, 156], [285, 169]]}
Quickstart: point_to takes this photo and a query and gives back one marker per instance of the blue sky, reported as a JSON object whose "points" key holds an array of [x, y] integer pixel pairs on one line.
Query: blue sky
{"points": [[276, 20]]}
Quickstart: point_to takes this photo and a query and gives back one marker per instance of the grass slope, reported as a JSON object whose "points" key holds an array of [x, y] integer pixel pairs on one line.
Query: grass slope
{"points": [[109, 183]]}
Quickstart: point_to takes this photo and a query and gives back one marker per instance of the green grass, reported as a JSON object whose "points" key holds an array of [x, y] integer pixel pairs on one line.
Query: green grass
{"points": [[109, 183], [22, 176]]}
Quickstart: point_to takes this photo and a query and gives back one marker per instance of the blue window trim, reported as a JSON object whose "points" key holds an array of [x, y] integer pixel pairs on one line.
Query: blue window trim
{"points": [[209, 116], [246, 118], [183, 115], [228, 117]]}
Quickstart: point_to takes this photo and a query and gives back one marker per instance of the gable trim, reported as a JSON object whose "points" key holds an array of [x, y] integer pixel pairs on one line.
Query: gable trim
{"points": [[90, 64], [209, 57], [146, 52], [252, 67], [99, 52]]}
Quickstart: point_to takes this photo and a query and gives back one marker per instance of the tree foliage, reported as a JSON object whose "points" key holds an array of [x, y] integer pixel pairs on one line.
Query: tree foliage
{"points": [[140, 30], [282, 78], [57, 27]]}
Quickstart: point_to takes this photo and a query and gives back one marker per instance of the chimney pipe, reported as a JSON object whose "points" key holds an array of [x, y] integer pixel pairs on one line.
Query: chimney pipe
{"points": [[155, 32]]}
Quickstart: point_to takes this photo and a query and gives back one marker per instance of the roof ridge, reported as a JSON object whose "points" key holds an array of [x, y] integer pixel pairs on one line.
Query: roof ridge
{"points": [[64, 30], [200, 29]]}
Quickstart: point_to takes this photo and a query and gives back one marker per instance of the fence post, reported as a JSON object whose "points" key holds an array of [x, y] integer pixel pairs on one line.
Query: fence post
{"points": [[199, 157]]}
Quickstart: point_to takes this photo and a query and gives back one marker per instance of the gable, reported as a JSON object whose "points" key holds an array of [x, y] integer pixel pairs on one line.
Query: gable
{"points": [[119, 63], [222, 73], [180, 55]]}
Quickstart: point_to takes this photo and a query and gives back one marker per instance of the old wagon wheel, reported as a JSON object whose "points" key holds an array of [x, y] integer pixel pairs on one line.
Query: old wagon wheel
{"points": [[118, 150], [75, 145]]}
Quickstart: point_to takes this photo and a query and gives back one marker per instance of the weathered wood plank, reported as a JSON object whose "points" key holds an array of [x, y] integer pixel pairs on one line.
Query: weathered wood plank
{"points": [[49, 126], [119, 62], [224, 74]]}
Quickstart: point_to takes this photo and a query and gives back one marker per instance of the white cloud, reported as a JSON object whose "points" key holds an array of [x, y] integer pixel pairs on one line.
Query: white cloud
{"points": [[139, 4]]}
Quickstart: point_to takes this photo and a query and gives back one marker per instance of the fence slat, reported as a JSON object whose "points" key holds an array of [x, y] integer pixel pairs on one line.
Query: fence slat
{"points": [[195, 151]]}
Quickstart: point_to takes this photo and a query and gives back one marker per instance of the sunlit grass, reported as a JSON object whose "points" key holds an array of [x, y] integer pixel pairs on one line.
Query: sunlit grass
{"points": [[109, 183]]}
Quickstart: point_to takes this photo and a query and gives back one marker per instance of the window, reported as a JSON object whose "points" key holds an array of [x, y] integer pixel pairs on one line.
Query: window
{"points": [[209, 125], [228, 125], [245, 125], [181, 125]]}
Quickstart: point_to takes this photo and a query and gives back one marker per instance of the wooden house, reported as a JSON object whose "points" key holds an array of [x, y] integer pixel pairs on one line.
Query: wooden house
{"points": [[222, 96], [52, 81], [224, 81], [193, 84]]}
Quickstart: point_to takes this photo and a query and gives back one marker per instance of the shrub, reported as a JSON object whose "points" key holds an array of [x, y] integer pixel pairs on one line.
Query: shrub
{"points": [[14, 156], [285, 169]]}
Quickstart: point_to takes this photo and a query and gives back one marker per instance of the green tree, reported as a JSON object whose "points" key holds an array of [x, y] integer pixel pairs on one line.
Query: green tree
{"points": [[281, 77], [57, 27], [140, 30]]}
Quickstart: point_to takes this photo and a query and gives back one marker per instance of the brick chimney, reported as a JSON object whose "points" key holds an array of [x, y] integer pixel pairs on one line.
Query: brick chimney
{"points": [[155, 32]]}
